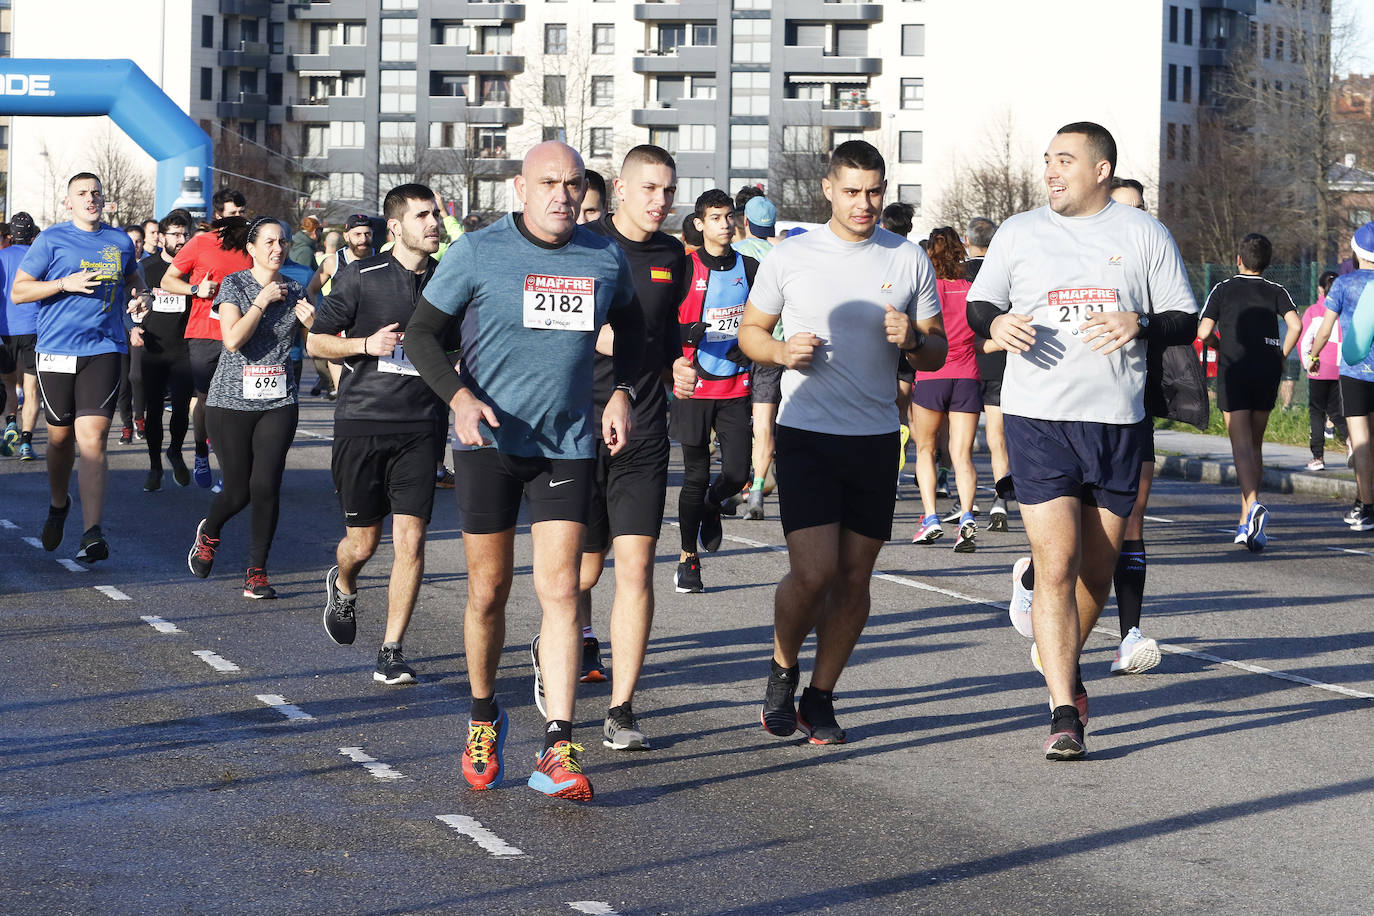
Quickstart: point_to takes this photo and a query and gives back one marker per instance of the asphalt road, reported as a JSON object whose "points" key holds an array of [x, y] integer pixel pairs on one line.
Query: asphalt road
{"points": [[137, 777]]}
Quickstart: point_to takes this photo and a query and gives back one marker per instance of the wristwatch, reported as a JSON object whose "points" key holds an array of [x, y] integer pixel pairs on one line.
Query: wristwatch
{"points": [[629, 391], [1144, 319], [917, 344]]}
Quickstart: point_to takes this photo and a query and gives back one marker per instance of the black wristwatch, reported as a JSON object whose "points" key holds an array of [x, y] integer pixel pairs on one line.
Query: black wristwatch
{"points": [[920, 342], [1144, 319], [629, 391]]}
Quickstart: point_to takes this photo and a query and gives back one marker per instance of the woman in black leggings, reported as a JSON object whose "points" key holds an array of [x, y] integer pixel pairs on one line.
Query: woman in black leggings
{"points": [[251, 409]]}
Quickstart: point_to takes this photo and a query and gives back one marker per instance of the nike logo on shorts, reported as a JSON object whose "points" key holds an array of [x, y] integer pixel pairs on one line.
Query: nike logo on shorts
{"points": [[558, 483]]}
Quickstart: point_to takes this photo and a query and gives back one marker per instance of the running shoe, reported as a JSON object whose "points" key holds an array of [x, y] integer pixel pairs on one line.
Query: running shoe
{"points": [[201, 559], [593, 670], [1035, 658], [730, 505], [1066, 736], [1136, 654], [1020, 608], [340, 611], [392, 668], [93, 546], [53, 525], [444, 479], [255, 584], [6, 448], [1080, 693], [1241, 535], [26, 452], [711, 530], [687, 579], [180, 473], [621, 730], [482, 754], [126, 435], [942, 482], [202, 472], [1316, 464], [153, 482], [966, 542], [816, 718], [997, 516], [538, 677], [219, 485], [905, 435], [779, 715], [753, 506], [1353, 515], [558, 774], [1365, 520], [1255, 538], [955, 516], [140, 429], [11, 434], [929, 531]]}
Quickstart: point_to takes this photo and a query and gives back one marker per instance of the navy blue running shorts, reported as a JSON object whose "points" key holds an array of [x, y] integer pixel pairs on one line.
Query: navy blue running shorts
{"points": [[1098, 463], [489, 487]]}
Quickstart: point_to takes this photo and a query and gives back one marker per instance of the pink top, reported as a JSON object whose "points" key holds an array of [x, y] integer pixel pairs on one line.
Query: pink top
{"points": [[960, 363], [1329, 369]]}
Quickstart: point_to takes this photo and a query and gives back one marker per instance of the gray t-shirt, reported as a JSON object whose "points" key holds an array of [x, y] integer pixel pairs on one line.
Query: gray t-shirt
{"points": [[259, 376], [838, 291], [1061, 269]]}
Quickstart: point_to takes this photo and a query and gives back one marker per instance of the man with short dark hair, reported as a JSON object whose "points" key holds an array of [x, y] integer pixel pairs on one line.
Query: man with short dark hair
{"points": [[853, 295], [765, 382], [18, 336], [594, 201], [228, 202]]}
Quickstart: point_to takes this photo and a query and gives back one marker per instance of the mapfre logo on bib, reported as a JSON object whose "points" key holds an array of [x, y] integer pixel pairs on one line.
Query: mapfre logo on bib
{"points": [[559, 303]]}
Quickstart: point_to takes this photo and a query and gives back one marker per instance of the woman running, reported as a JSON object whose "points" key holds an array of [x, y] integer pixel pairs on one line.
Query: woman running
{"points": [[251, 409]]}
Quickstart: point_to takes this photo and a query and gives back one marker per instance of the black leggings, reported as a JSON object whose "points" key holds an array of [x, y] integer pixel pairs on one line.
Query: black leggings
{"points": [[161, 377], [251, 447], [1323, 402], [131, 386], [735, 446]]}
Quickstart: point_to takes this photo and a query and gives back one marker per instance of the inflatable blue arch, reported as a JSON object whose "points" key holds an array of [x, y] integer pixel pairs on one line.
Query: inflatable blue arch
{"points": [[119, 89]]}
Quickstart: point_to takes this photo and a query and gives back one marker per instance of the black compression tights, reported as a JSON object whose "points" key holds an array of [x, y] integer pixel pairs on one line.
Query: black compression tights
{"points": [[696, 474], [251, 447], [161, 377]]}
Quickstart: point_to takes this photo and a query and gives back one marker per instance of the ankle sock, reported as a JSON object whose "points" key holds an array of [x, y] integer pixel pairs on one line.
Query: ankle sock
{"points": [[484, 709], [557, 730], [757, 485], [1028, 577], [1065, 718], [393, 645], [587, 633], [787, 673]]}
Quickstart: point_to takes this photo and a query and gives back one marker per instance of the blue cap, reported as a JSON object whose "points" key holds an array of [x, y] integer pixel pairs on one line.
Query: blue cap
{"points": [[761, 212], [1363, 241]]}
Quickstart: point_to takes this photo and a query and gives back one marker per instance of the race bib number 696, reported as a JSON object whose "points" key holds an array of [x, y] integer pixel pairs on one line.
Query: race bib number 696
{"points": [[560, 303]]}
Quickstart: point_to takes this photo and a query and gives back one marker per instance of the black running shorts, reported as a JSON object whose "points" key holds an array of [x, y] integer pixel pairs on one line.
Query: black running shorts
{"points": [[765, 384], [490, 484], [204, 358], [824, 479], [628, 493], [18, 354], [690, 421], [1357, 396], [78, 386], [1239, 390], [380, 475]]}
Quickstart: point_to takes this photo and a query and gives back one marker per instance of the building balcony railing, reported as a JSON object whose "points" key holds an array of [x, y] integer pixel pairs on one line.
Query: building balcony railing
{"points": [[682, 59], [248, 106], [251, 54], [485, 10], [808, 59], [686, 11], [330, 10], [851, 111], [833, 10], [466, 60], [678, 111], [254, 8]]}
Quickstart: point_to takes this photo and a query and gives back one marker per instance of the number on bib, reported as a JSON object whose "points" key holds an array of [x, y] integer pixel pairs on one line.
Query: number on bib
{"points": [[560, 303], [164, 301], [396, 363], [264, 383], [51, 362], [1069, 308]]}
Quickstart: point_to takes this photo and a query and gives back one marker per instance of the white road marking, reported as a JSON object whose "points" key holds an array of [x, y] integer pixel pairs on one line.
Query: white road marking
{"points": [[483, 837], [34, 542], [8, 525], [314, 435], [1156, 518], [112, 592], [71, 565], [1363, 553], [380, 770], [214, 661], [593, 906], [290, 710], [162, 626]]}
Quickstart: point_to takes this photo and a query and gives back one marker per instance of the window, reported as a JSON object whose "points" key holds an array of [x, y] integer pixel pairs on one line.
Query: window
{"points": [[1171, 141], [207, 84], [664, 137], [669, 88], [1173, 83], [805, 35], [555, 90], [600, 141], [1187, 85], [451, 85], [751, 39], [353, 33], [315, 140], [689, 189], [749, 146], [207, 31], [703, 87], [851, 40], [1278, 44], [603, 91], [276, 36], [248, 30], [346, 134], [399, 4], [910, 145], [4, 137], [802, 139], [748, 93], [491, 142], [398, 92], [494, 89], [396, 135], [1187, 26], [813, 91], [1173, 24], [554, 132], [355, 86], [671, 36], [913, 92], [697, 137], [346, 185], [398, 39], [913, 40], [321, 37], [603, 38], [496, 39], [447, 32], [274, 89], [445, 135], [910, 194], [1185, 145], [704, 34], [556, 38], [1267, 32]]}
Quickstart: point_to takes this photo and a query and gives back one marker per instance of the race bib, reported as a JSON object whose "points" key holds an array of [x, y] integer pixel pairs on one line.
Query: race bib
{"points": [[1069, 308], [396, 363], [723, 321], [164, 301], [50, 362], [264, 383], [560, 303]]}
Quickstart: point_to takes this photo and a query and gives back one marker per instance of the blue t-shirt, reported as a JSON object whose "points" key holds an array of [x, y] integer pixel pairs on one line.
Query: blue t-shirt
{"points": [[1342, 299], [511, 296], [294, 270], [82, 324], [14, 319]]}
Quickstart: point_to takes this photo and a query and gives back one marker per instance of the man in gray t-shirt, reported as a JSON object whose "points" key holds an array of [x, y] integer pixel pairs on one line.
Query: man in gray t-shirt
{"points": [[851, 295], [1068, 291]]}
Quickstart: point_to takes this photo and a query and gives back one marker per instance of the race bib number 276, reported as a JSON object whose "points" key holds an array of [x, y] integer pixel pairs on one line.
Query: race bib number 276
{"points": [[560, 303]]}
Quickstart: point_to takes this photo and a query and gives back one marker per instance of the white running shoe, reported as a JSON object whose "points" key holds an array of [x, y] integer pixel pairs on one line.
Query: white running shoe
{"points": [[1020, 609], [1035, 658], [1316, 464], [1136, 654]]}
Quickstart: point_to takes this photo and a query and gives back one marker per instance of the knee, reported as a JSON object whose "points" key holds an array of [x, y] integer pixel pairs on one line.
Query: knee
{"points": [[813, 579], [362, 542], [487, 599]]}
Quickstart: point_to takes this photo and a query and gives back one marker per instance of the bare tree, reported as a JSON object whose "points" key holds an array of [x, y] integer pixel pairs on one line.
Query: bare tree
{"points": [[796, 173], [994, 179], [129, 191], [565, 98]]}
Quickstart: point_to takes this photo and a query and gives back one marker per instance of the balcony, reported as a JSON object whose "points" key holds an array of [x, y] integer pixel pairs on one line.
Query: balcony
{"points": [[332, 10], [494, 113], [691, 162], [465, 60], [254, 8], [816, 60], [249, 106], [448, 108], [1236, 6], [688, 11], [683, 59], [335, 57], [251, 54], [851, 112], [478, 10], [678, 111], [324, 110], [833, 10]]}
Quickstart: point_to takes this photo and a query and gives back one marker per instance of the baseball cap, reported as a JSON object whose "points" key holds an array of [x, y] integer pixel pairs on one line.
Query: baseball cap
{"points": [[1363, 241], [762, 215], [356, 220], [22, 228]]}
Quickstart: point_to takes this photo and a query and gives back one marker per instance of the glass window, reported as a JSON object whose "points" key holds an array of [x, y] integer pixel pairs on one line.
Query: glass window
{"points": [[495, 89], [555, 90], [704, 34], [491, 195], [749, 93], [751, 40], [276, 37], [698, 137], [398, 91], [703, 87], [207, 84], [316, 141], [496, 39], [749, 146], [910, 194], [913, 92], [447, 32], [556, 38], [355, 86], [353, 33], [603, 91], [398, 39], [346, 185], [207, 31], [909, 146], [603, 38], [665, 137], [801, 139], [844, 136], [670, 88], [396, 134], [448, 84], [913, 40], [554, 132], [671, 36], [445, 135], [346, 134], [600, 141], [400, 4], [689, 189], [491, 142]]}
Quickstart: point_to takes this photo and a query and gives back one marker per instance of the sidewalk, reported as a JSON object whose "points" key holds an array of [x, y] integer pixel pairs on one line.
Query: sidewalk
{"points": [[1200, 457]]}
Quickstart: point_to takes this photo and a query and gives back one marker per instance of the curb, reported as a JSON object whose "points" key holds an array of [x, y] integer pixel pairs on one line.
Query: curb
{"points": [[1278, 480]]}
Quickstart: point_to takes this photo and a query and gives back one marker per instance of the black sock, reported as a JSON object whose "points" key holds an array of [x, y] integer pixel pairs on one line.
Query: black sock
{"points": [[26, 436], [786, 673], [1028, 577], [9, 419], [484, 709], [1078, 679], [810, 696], [1065, 718], [555, 731], [203, 451], [1129, 580]]}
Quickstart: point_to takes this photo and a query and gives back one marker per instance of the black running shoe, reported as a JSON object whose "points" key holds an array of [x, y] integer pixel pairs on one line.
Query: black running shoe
{"points": [[153, 482], [52, 528], [93, 546], [340, 610], [180, 472], [687, 579], [255, 584], [1066, 735], [816, 717], [201, 558], [711, 530], [779, 714], [392, 668], [593, 670]]}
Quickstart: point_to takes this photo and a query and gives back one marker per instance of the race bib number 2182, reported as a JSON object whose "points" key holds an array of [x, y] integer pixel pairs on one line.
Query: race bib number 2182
{"points": [[560, 303]]}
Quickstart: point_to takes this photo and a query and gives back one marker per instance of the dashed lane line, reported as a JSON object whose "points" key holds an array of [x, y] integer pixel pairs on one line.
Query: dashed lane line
{"points": [[71, 565], [483, 837], [8, 525], [1363, 553], [162, 626], [112, 592], [593, 906], [290, 710], [1156, 518], [34, 542], [371, 764], [214, 661]]}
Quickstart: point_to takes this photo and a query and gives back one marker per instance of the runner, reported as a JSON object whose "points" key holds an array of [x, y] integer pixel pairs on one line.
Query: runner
{"points": [[1323, 382], [765, 383], [252, 408], [79, 273], [18, 335], [594, 201], [719, 401], [166, 360], [528, 294], [992, 363], [1080, 276], [388, 425], [357, 245], [852, 295]]}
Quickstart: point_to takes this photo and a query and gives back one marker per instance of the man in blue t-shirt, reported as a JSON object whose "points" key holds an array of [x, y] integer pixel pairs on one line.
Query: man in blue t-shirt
{"points": [[18, 330], [529, 293], [80, 273]]}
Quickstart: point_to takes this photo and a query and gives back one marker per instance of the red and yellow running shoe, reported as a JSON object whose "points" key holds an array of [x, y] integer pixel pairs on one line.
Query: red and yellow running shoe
{"points": [[557, 773], [482, 766]]}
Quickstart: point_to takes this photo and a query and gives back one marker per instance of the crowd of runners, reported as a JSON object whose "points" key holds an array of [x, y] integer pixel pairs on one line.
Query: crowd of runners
{"points": [[569, 343]]}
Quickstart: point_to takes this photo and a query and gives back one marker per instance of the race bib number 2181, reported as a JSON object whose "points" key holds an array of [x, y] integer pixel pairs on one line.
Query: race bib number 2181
{"points": [[560, 303]]}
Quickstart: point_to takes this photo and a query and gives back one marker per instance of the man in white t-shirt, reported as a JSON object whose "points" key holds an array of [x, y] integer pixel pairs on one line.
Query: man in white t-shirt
{"points": [[850, 295], [1068, 290]]}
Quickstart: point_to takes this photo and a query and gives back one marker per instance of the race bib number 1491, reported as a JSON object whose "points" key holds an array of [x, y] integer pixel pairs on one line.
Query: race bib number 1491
{"points": [[560, 303]]}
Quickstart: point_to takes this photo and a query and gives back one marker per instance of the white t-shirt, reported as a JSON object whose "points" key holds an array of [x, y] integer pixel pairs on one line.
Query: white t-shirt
{"points": [[839, 291], [1061, 269]]}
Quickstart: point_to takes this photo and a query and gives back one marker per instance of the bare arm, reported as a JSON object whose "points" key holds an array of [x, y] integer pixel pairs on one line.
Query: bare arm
{"points": [[173, 281], [329, 346], [1205, 327], [237, 327], [28, 289], [934, 346], [1290, 340], [317, 282]]}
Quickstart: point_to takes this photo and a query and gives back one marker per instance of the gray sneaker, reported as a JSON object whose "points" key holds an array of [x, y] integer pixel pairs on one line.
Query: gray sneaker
{"points": [[622, 732], [340, 610], [753, 506]]}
